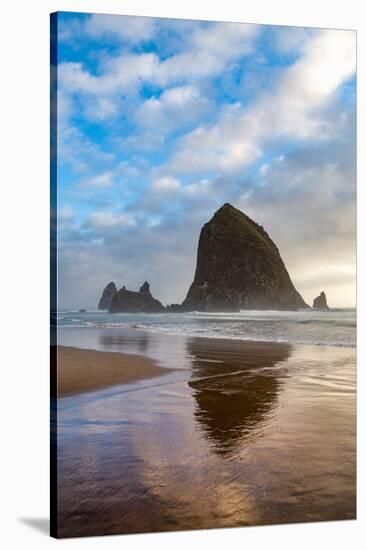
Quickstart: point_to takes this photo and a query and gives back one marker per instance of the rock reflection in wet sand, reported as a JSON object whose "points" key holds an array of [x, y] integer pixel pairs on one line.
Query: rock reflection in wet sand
{"points": [[235, 390], [242, 434]]}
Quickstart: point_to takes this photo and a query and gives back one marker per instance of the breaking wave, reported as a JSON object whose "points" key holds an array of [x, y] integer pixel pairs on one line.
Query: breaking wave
{"points": [[330, 328]]}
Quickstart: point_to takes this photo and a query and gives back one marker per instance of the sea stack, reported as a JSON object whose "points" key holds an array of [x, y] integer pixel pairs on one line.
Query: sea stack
{"points": [[129, 301], [239, 267], [320, 302], [106, 298]]}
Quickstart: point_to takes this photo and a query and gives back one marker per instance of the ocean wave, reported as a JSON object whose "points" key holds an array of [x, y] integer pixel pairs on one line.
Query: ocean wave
{"points": [[253, 338], [204, 333], [300, 316], [333, 322], [306, 327], [78, 312]]}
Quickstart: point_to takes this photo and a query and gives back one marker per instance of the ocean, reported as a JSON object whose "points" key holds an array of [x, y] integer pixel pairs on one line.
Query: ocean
{"points": [[335, 327]]}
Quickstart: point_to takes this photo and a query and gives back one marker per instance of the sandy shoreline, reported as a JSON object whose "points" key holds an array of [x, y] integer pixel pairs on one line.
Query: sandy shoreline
{"points": [[83, 370], [251, 429]]}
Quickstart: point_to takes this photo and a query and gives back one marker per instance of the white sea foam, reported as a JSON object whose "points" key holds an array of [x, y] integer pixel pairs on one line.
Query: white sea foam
{"points": [[331, 328]]}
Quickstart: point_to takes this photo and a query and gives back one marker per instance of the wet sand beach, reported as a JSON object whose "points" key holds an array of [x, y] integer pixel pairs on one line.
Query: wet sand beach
{"points": [[83, 370], [241, 433]]}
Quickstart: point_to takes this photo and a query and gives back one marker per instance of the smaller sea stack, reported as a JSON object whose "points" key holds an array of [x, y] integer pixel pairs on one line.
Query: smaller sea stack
{"points": [[320, 302], [106, 298], [129, 301]]}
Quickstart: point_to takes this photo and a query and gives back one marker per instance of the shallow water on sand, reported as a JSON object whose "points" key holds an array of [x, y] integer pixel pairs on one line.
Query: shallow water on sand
{"points": [[241, 434]]}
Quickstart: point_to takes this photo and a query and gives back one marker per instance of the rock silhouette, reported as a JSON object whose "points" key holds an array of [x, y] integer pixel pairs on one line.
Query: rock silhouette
{"points": [[320, 302], [107, 295], [129, 301], [231, 392], [239, 267]]}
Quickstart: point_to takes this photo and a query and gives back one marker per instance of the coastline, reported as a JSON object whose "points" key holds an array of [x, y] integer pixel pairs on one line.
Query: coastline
{"points": [[251, 428], [330, 328], [86, 370]]}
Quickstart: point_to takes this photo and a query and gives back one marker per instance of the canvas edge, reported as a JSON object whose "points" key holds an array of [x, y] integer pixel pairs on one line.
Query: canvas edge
{"points": [[53, 273]]}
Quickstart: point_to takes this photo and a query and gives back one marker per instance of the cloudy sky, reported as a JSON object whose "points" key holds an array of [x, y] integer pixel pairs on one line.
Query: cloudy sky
{"points": [[162, 121]]}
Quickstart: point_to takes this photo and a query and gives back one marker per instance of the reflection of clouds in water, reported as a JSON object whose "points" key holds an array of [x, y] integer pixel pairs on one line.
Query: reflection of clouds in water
{"points": [[177, 453], [170, 352], [119, 341], [235, 391], [212, 450], [177, 461], [220, 502]]}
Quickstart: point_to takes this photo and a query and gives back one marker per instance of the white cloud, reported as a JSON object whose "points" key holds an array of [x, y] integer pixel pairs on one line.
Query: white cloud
{"points": [[144, 141], [104, 220], [307, 204], [64, 106], [167, 195], [66, 213], [200, 189], [328, 60], [131, 29], [127, 28], [227, 146], [308, 207], [78, 150], [263, 169], [131, 169], [205, 52], [175, 107], [290, 39], [120, 74], [98, 181], [180, 95], [293, 109], [208, 51], [165, 184], [102, 108]]}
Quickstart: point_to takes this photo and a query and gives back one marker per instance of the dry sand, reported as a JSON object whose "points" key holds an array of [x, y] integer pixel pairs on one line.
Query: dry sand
{"points": [[83, 370]]}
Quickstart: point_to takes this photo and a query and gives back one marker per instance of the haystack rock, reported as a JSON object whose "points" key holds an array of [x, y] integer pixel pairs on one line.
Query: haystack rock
{"points": [[239, 267], [128, 301], [106, 298], [320, 302]]}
